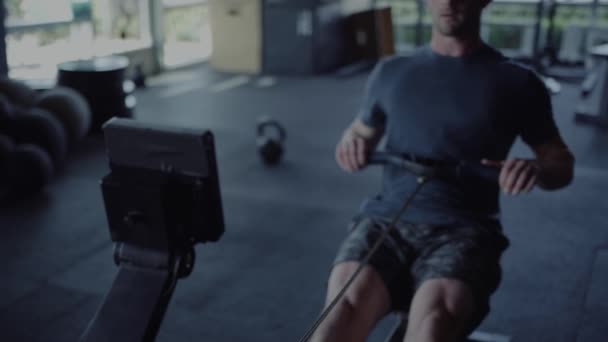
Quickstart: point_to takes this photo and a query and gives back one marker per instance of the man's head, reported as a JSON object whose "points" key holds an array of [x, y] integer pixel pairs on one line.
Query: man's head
{"points": [[456, 18]]}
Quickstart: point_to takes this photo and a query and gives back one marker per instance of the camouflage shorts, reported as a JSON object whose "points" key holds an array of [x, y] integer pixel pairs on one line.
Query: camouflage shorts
{"points": [[413, 253]]}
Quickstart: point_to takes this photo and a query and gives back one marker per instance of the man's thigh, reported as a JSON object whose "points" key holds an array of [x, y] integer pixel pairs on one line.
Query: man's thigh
{"points": [[390, 262], [468, 255], [367, 293]]}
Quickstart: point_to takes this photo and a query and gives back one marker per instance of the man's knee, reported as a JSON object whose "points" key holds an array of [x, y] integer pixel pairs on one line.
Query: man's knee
{"points": [[362, 306], [445, 307], [342, 314], [438, 324], [452, 296], [367, 289]]}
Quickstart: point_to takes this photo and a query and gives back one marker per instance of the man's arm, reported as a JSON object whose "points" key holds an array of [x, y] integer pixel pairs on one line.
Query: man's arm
{"points": [[364, 133], [356, 144], [555, 164], [552, 169], [370, 134]]}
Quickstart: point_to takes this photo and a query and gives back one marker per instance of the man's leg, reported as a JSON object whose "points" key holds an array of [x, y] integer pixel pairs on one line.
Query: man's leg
{"points": [[363, 305], [457, 272], [441, 311]]}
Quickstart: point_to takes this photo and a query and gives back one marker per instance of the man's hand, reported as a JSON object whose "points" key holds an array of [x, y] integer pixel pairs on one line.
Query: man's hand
{"points": [[516, 175], [352, 153], [358, 140]]}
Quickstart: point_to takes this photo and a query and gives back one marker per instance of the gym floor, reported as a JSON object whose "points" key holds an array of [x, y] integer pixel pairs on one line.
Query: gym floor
{"points": [[265, 280]]}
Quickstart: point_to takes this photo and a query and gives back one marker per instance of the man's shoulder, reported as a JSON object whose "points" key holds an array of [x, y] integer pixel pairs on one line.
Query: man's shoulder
{"points": [[394, 64], [522, 78], [518, 68], [510, 67], [394, 61]]}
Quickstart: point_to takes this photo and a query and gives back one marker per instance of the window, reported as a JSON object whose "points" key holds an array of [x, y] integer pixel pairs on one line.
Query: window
{"points": [[41, 35], [510, 27], [405, 20], [187, 34]]}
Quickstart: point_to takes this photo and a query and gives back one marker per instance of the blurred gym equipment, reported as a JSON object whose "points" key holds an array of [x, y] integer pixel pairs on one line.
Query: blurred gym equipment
{"points": [[39, 127], [162, 197], [7, 145], [593, 108], [17, 92], [26, 171], [270, 145], [102, 83], [70, 108]]}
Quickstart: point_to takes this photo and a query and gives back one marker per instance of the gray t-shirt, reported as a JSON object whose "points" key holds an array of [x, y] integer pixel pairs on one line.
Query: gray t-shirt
{"points": [[452, 108]]}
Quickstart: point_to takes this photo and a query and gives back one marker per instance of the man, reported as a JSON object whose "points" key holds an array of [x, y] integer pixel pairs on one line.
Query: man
{"points": [[456, 99]]}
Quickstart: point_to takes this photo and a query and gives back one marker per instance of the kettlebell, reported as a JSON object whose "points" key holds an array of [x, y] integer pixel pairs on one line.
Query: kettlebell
{"points": [[270, 146]]}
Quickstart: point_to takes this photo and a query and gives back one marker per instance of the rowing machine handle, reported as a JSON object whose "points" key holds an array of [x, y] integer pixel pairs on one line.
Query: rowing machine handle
{"points": [[460, 170]]}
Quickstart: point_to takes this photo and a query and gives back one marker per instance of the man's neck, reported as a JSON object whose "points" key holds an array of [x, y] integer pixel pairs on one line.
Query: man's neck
{"points": [[453, 46]]}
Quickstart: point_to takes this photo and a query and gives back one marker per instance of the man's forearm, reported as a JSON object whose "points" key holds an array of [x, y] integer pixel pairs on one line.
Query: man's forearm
{"points": [[372, 136], [556, 173]]}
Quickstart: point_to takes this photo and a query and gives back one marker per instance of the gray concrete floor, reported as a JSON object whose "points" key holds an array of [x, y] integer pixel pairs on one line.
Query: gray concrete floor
{"points": [[265, 280]]}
